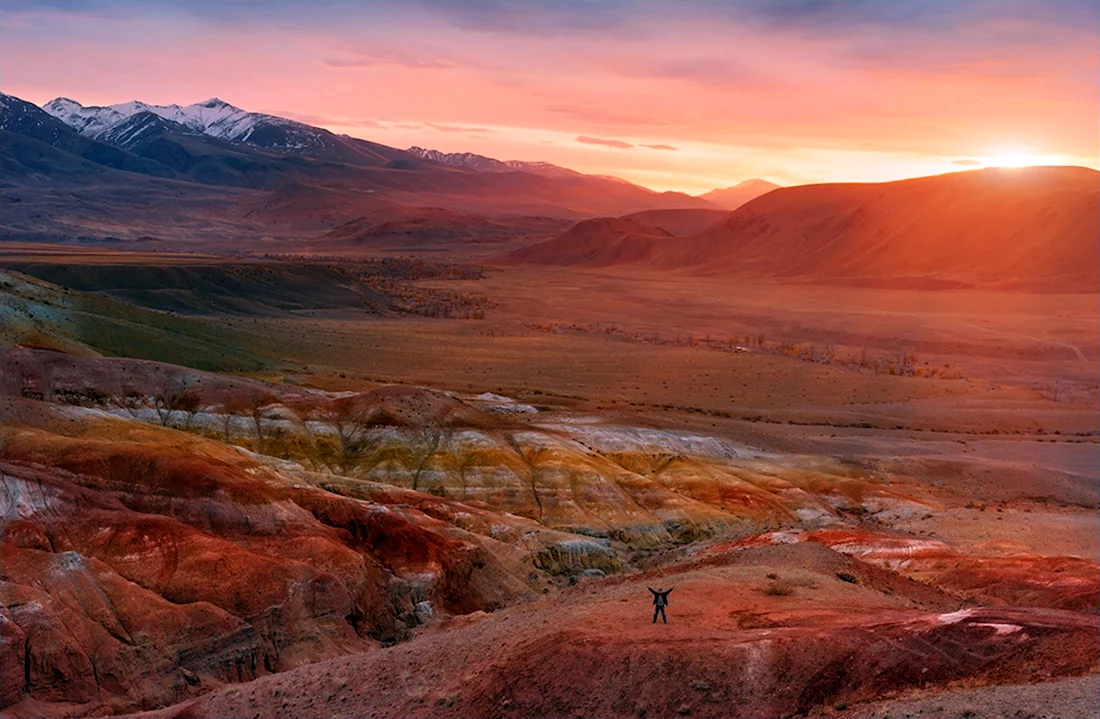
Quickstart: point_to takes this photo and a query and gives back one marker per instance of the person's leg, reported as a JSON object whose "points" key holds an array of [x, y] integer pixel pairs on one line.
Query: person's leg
{"points": [[655, 610], [664, 618]]}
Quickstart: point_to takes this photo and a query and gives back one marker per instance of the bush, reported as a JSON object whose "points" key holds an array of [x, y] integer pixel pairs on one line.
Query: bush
{"points": [[779, 588], [846, 577]]}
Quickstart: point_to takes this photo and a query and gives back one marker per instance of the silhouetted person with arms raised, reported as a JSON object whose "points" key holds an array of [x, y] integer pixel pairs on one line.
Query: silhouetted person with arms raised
{"points": [[660, 601]]}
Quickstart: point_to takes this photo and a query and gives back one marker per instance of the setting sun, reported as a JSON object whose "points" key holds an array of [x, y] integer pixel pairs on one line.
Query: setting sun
{"points": [[1020, 158]]}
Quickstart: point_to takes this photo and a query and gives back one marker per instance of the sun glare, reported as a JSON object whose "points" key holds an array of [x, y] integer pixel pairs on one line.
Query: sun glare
{"points": [[1018, 158]]}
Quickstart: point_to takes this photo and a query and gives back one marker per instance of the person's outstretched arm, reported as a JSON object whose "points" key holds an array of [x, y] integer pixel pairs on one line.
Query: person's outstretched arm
{"points": [[669, 591], [651, 591]]}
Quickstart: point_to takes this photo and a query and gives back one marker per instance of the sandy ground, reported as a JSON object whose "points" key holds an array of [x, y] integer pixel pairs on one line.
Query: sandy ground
{"points": [[1076, 698]]}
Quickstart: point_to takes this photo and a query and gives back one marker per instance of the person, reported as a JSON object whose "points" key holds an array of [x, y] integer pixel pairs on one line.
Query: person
{"points": [[660, 601]]}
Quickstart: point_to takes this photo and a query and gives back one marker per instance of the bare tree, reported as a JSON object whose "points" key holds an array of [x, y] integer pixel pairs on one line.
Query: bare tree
{"points": [[429, 437], [257, 401], [169, 395], [230, 408], [461, 463], [354, 423], [533, 458]]}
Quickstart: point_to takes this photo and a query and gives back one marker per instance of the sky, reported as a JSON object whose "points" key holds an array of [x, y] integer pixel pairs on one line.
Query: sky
{"points": [[688, 95]]}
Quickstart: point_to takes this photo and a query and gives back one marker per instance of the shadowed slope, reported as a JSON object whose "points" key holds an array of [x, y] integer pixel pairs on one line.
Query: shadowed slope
{"points": [[600, 242], [1028, 228], [679, 222]]}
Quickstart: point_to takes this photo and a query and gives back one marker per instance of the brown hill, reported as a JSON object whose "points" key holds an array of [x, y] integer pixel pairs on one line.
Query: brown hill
{"points": [[600, 242], [679, 222], [733, 197], [400, 226], [1029, 228]]}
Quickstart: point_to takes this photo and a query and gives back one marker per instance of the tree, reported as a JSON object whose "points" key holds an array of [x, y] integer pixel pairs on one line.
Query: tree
{"points": [[533, 457], [173, 395], [353, 422], [461, 463], [257, 401], [427, 441]]}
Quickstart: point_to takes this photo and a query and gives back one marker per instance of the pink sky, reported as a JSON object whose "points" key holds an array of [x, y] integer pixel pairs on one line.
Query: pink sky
{"points": [[686, 96]]}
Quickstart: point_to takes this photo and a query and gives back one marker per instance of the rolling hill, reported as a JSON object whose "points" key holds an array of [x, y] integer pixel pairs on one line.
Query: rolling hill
{"points": [[679, 222], [1027, 228], [600, 242], [418, 227]]}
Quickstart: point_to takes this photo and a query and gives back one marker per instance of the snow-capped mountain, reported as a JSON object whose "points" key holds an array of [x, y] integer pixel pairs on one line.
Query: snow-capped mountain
{"points": [[126, 122], [481, 163], [130, 131], [213, 117], [20, 116]]}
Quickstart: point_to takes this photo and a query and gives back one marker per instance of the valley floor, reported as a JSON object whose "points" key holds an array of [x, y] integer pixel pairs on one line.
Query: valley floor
{"points": [[386, 514]]}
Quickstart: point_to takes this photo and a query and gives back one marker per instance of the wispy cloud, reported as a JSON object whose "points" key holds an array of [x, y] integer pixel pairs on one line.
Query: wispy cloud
{"points": [[617, 144], [600, 116], [344, 62], [455, 128], [323, 120], [661, 147]]}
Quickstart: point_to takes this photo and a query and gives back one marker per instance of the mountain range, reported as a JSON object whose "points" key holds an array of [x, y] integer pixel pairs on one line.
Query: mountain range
{"points": [[1032, 228], [730, 198], [215, 176], [212, 172]]}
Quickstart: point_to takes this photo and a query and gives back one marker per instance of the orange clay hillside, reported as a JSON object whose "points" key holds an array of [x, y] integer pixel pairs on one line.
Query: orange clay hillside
{"points": [[600, 242], [1026, 228]]}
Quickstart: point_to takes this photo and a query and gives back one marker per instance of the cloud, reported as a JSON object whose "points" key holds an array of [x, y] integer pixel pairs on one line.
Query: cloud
{"points": [[323, 120], [661, 147], [346, 62], [968, 163], [598, 116], [536, 18], [913, 15], [455, 128], [618, 144]]}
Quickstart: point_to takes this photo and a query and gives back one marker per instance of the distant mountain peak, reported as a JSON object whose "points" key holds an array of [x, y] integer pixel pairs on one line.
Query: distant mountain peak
{"points": [[733, 197], [481, 163]]}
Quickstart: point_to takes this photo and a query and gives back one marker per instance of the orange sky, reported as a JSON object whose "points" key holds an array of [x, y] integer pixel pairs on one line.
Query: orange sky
{"points": [[689, 96]]}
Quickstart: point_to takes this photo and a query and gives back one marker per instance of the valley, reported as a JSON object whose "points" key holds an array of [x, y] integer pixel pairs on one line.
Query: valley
{"points": [[298, 424]]}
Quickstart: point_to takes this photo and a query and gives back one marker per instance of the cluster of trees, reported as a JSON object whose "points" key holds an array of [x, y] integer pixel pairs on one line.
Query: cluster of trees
{"points": [[904, 362], [397, 268], [431, 302], [345, 435]]}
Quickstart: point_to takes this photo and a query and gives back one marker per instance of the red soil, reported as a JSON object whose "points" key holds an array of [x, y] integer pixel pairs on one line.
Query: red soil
{"points": [[1020, 579], [176, 564], [732, 648]]}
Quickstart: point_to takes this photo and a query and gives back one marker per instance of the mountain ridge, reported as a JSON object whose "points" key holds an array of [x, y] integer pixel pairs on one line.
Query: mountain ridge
{"points": [[730, 198], [1022, 228]]}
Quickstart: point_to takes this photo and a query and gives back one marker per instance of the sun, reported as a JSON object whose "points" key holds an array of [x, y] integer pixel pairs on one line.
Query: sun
{"points": [[1018, 158]]}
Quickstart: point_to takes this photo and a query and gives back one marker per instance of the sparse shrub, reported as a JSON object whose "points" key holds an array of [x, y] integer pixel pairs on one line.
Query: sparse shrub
{"points": [[847, 577], [779, 588]]}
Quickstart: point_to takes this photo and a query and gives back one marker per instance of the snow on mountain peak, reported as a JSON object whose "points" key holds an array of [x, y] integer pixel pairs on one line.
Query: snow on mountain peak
{"points": [[212, 117]]}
